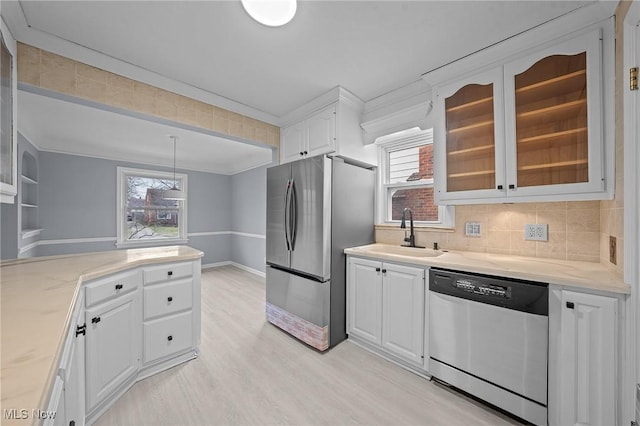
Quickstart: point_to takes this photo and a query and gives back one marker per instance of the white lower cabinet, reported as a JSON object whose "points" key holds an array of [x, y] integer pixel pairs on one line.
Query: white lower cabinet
{"points": [[386, 307], [584, 372], [364, 305], [124, 327], [114, 333]]}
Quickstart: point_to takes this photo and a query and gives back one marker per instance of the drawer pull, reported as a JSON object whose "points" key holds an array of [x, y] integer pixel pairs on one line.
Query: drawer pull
{"points": [[118, 287], [170, 273], [169, 299], [95, 320], [571, 305], [169, 338]]}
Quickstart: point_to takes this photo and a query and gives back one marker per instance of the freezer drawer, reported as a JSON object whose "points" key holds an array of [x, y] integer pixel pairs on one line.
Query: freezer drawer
{"points": [[305, 298]]}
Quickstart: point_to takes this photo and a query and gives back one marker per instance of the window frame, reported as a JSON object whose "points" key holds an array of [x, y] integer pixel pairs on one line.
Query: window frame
{"points": [[410, 138], [121, 211]]}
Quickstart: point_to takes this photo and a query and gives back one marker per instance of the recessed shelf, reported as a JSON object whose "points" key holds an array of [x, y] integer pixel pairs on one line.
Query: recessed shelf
{"points": [[469, 174], [554, 135], [28, 233], [474, 150], [27, 179], [553, 165], [553, 109], [470, 104], [558, 79], [471, 127]]}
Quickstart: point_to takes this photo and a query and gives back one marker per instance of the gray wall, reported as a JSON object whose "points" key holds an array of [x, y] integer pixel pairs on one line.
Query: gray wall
{"points": [[78, 201], [248, 204]]}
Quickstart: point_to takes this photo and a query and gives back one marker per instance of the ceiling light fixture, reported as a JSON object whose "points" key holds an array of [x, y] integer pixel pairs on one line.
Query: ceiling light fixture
{"points": [[272, 13], [174, 193]]}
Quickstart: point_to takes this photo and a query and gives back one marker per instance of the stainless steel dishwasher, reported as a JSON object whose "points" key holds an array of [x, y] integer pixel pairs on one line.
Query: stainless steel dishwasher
{"points": [[488, 336]]}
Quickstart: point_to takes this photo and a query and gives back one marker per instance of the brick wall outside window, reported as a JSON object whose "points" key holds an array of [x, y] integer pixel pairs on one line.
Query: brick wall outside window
{"points": [[419, 200]]}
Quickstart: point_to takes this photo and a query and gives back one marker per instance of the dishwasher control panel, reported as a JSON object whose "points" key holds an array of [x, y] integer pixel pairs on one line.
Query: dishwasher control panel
{"points": [[477, 287], [521, 295]]}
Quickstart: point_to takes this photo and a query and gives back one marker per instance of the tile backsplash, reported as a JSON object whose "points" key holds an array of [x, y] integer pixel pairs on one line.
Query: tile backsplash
{"points": [[573, 230]]}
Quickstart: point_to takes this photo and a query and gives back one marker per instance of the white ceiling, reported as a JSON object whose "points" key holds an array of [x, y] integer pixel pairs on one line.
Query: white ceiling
{"points": [[368, 47]]}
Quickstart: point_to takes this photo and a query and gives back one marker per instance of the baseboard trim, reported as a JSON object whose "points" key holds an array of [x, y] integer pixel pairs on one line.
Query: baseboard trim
{"points": [[237, 265]]}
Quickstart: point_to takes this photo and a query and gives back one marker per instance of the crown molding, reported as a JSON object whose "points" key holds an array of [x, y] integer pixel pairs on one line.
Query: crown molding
{"points": [[337, 94], [413, 116]]}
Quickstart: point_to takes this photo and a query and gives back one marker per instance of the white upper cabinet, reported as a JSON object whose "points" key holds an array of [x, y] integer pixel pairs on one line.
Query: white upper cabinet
{"points": [[8, 131], [329, 124], [469, 138], [531, 129], [315, 135]]}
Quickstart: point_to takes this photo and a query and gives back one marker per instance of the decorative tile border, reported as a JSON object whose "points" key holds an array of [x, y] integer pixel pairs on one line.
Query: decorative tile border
{"points": [[310, 333], [47, 70]]}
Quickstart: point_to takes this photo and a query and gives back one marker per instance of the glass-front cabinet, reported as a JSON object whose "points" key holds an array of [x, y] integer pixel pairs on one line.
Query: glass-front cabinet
{"points": [[473, 115], [532, 132], [8, 155]]}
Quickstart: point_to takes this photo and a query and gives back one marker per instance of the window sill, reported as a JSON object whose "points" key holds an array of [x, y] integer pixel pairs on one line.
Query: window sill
{"points": [[151, 243], [420, 227]]}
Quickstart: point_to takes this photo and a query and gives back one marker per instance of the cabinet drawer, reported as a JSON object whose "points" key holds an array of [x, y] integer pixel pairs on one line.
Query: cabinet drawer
{"points": [[167, 336], [167, 272], [167, 298], [112, 286]]}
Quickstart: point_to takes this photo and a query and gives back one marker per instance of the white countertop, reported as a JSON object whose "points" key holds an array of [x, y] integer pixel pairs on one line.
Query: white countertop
{"points": [[37, 296], [586, 275]]}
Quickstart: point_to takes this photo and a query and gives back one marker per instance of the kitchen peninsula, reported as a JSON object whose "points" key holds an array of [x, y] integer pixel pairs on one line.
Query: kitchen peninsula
{"points": [[41, 298]]}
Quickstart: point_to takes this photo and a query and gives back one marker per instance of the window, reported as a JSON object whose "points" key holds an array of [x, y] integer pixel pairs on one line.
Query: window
{"points": [[406, 179], [144, 216]]}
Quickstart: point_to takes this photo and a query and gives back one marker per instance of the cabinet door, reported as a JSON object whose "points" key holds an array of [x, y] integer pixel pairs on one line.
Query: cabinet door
{"points": [[587, 359], [403, 311], [72, 367], [469, 138], [553, 114], [8, 106], [113, 343], [364, 300], [292, 143], [321, 132]]}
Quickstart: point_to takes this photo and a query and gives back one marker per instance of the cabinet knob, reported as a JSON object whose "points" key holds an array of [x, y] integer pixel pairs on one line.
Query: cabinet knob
{"points": [[95, 320], [169, 338], [377, 269], [570, 305], [118, 287], [169, 299], [384, 271], [512, 186], [301, 153], [305, 152], [499, 187], [169, 273]]}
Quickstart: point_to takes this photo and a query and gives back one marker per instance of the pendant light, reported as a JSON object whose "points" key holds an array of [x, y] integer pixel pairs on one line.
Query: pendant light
{"points": [[272, 13], [174, 193]]}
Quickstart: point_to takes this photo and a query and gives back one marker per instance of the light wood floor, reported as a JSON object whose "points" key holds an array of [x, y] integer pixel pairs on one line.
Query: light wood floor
{"points": [[251, 373]]}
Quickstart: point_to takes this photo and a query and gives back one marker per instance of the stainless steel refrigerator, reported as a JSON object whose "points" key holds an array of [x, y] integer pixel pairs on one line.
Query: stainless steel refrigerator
{"points": [[316, 207]]}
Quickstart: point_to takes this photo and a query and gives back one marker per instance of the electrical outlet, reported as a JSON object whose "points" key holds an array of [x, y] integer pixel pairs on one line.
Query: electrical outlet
{"points": [[542, 232], [612, 250], [472, 229], [536, 232]]}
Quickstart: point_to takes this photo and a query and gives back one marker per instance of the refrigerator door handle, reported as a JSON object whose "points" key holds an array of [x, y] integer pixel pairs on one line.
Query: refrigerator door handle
{"points": [[293, 215], [287, 202]]}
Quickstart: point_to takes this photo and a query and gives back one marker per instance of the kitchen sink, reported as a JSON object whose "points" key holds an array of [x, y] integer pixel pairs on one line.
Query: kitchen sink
{"points": [[405, 251]]}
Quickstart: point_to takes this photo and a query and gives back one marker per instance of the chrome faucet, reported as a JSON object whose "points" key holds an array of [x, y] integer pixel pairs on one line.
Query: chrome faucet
{"points": [[411, 239]]}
